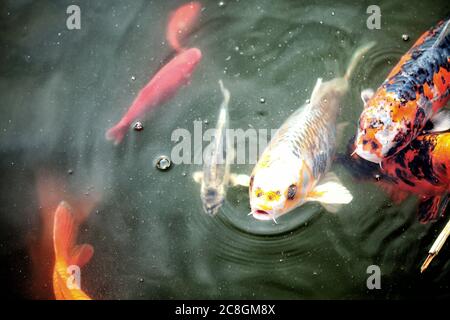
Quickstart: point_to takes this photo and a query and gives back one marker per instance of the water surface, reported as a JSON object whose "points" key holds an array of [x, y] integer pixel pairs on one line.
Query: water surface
{"points": [[61, 89]]}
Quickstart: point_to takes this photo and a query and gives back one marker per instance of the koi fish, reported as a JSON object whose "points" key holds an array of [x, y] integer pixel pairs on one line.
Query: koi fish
{"points": [[216, 176], [181, 22], [293, 169], [67, 254], [160, 89], [50, 189], [413, 93], [422, 169]]}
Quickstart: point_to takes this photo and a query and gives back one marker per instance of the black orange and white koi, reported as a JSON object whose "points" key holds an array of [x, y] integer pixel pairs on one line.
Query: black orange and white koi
{"points": [[414, 92]]}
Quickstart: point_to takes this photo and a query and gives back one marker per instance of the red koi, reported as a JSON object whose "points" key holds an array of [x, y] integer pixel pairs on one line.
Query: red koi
{"points": [[160, 89], [181, 22]]}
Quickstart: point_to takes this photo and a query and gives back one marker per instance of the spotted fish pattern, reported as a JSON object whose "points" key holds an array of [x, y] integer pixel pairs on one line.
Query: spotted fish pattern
{"points": [[422, 169], [415, 90]]}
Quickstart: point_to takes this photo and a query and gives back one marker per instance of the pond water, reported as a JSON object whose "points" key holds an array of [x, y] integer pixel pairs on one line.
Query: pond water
{"points": [[62, 89]]}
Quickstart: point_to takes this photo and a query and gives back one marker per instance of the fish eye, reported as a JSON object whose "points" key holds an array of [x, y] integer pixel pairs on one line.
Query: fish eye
{"points": [[376, 123], [258, 193], [292, 190]]}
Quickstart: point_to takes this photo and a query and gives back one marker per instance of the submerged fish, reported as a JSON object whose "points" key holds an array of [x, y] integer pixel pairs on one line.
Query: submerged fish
{"points": [[422, 169], [67, 254], [161, 88], [216, 176], [50, 190], [293, 168], [413, 93], [181, 22]]}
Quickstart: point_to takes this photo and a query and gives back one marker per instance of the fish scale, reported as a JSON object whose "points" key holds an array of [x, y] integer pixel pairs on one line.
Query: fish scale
{"points": [[300, 154], [414, 91]]}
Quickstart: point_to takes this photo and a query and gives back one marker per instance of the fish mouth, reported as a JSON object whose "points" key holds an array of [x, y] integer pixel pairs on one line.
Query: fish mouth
{"points": [[263, 215], [367, 155]]}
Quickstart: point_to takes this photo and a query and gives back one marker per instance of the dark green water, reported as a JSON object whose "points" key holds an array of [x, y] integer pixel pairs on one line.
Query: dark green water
{"points": [[61, 89]]}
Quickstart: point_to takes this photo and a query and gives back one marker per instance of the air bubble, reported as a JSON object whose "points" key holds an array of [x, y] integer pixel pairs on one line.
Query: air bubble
{"points": [[163, 163], [138, 126]]}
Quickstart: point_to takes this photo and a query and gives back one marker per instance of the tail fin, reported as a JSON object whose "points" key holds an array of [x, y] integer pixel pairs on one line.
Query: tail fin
{"points": [[357, 56], [65, 230], [117, 133]]}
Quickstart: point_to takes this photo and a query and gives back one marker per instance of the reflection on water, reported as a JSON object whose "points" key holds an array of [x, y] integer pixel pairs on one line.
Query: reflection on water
{"points": [[62, 89]]}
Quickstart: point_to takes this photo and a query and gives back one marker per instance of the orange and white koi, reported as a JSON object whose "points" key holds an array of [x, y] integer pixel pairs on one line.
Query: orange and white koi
{"points": [[293, 169]]}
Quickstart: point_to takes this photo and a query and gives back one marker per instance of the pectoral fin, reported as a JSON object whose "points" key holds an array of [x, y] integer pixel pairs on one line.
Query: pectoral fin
{"points": [[316, 90], [366, 95], [440, 121], [198, 176], [239, 180], [330, 193]]}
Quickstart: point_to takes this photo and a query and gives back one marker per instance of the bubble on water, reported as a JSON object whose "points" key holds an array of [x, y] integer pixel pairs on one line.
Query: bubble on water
{"points": [[163, 163], [133, 78], [333, 13], [184, 174], [70, 171], [405, 37], [221, 4], [205, 121], [141, 280], [138, 126], [262, 100], [377, 177]]}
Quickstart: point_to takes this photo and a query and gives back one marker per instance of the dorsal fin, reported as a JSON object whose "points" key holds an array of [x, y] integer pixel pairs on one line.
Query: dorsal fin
{"points": [[316, 89], [356, 58], [444, 33]]}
